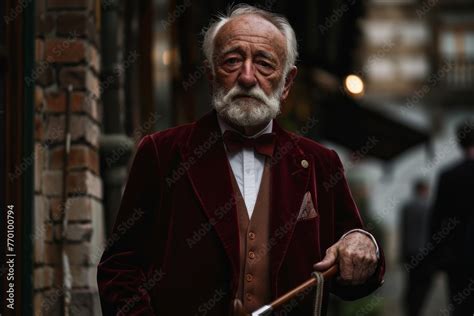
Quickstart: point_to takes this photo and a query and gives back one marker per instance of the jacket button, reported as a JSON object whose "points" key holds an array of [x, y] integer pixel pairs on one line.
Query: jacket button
{"points": [[251, 255], [304, 163], [248, 296], [252, 236], [249, 277]]}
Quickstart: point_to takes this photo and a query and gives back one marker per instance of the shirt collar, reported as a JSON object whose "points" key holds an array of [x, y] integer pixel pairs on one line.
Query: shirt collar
{"points": [[224, 127]]}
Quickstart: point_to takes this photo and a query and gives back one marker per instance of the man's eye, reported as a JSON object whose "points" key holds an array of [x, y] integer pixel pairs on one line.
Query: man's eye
{"points": [[264, 64], [232, 61]]}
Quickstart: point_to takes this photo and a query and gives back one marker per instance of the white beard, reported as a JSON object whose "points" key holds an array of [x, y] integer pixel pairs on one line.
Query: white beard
{"points": [[253, 111]]}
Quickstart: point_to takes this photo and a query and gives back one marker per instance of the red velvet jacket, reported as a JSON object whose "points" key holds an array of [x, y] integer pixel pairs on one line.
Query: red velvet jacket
{"points": [[175, 244]]}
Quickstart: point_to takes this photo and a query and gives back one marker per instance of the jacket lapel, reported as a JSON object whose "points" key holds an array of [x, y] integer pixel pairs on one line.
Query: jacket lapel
{"points": [[209, 173], [291, 170]]}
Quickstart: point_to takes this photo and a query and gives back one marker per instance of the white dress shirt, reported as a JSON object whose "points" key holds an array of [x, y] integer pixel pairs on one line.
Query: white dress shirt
{"points": [[247, 166]]}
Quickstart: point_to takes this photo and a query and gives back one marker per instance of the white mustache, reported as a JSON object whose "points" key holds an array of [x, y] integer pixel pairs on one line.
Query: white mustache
{"points": [[261, 109], [256, 92]]}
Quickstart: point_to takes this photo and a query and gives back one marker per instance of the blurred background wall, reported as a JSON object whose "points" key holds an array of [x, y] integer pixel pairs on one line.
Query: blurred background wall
{"points": [[387, 81]]}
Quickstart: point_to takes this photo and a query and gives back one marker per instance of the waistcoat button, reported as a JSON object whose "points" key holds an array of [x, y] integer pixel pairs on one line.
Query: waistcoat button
{"points": [[249, 277]]}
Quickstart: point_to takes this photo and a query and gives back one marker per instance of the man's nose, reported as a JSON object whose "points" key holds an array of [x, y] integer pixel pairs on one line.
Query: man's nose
{"points": [[247, 77]]}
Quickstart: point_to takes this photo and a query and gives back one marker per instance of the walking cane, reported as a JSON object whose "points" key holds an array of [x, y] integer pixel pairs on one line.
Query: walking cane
{"points": [[316, 279]]}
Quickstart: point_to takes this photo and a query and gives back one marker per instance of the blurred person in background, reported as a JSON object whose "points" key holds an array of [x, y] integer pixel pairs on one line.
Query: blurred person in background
{"points": [[452, 224], [414, 227]]}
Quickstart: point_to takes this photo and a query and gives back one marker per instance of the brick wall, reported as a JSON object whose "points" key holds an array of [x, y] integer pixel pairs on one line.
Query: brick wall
{"points": [[67, 53]]}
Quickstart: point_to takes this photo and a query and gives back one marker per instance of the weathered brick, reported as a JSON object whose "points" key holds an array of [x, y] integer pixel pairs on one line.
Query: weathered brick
{"points": [[43, 75], [90, 105], [70, 50], [78, 182], [75, 76], [55, 102], [45, 25], [52, 182], [82, 276], [39, 49], [43, 277], [39, 250], [54, 129], [56, 230], [38, 235], [72, 22], [52, 254], [78, 208], [93, 35], [47, 302], [85, 182], [40, 7], [70, 4], [79, 232], [93, 59], [82, 127], [52, 232], [52, 302], [85, 301], [80, 156], [97, 252], [98, 235], [92, 84], [39, 98], [39, 131], [38, 302], [38, 166], [79, 253], [82, 208], [93, 161], [65, 55], [56, 208]]}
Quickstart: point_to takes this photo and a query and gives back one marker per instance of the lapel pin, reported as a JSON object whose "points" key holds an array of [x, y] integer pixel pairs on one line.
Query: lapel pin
{"points": [[304, 163]]}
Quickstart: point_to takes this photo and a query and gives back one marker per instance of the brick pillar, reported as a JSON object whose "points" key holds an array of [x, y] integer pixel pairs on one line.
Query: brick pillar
{"points": [[67, 53]]}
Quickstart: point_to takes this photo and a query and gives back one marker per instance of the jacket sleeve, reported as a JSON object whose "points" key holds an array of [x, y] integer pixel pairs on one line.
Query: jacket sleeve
{"points": [[444, 249], [403, 231], [347, 217], [125, 267], [440, 205]]}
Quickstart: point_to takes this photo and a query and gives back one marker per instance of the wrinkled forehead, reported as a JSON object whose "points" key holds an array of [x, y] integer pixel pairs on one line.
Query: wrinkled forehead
{"points": [[251, 29]]}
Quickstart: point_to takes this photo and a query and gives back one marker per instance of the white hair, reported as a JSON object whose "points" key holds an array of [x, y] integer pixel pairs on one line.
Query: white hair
{"points": [[280, 22]]}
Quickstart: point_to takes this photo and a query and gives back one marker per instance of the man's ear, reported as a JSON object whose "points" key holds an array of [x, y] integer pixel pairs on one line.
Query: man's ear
{"points": [[289, 80]]}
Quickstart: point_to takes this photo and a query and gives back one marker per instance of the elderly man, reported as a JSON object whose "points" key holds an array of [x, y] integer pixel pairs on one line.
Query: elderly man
{"points": [[233, 207]]}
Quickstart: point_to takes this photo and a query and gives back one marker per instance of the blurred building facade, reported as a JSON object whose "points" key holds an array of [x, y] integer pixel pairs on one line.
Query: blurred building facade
{"points": [[416, 61]]}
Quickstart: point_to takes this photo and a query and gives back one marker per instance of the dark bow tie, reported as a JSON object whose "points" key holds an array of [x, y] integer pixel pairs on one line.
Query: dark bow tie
{"points": [[263, 144]]}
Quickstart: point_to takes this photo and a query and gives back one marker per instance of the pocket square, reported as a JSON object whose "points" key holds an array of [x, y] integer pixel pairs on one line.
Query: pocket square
{"points": [[307, 210]]}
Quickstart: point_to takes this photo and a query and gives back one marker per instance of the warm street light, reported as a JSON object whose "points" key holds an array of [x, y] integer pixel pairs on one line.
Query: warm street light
{"points": [[354, 85]]}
